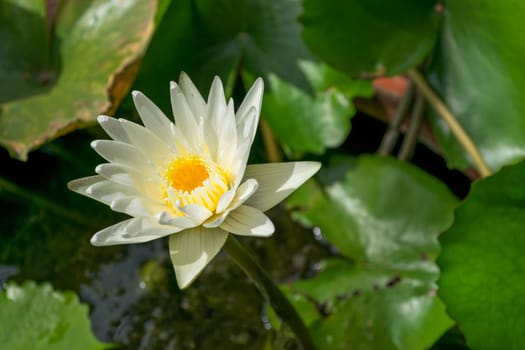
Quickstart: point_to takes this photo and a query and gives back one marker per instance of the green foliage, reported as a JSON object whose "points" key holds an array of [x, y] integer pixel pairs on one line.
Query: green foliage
{"points": [[208, 37], [59, 72], [374, 283], [318, 121], [38, 317], [478, 69], [482, 262], [370, 36], [382, 294]]}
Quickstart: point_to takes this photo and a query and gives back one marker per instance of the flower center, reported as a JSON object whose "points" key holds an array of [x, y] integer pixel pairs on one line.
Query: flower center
{"points": [[194, 180], [185, 174]]}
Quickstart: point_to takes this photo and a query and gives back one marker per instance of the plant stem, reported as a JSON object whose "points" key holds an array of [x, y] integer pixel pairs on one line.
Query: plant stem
{"points": [[390, 138], [411, 136], [270, 144], [272, 293], [458, 131]]}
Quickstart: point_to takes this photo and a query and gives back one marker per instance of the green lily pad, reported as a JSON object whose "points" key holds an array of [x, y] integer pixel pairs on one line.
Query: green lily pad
{"points": [[318, 122], [384, 217], [478, 70], [60, 70], [482, 262], [370, 36], [208, 37], [38, 317]]}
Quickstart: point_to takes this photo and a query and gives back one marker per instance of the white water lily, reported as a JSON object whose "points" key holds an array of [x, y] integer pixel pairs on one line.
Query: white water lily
{"points": [[188, 180]]}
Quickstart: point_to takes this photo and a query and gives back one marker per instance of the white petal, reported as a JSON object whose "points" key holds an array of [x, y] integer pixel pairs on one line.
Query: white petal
{"points": [[191, 250], [136, 206], [216, 104], [248, 221], [217, 119], [81, 185], [185, 120], [238, 166], [153, 118], [118, 152], [182, 222], [277, 181], [115, 172], [120, 198], [113, 128], [245, 190], [151, 146], [135, 230], [193, 96], [225, 200], [145, 182], [227, 145], [253, 99], [197, 213]]}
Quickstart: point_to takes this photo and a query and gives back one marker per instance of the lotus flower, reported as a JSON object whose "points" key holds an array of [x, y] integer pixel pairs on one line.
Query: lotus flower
{"points": [[188, 180]]}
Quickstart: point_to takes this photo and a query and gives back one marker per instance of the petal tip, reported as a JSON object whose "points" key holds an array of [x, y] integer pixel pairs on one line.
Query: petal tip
{"points": [[94, 240], [103, 119], [259, 83]]}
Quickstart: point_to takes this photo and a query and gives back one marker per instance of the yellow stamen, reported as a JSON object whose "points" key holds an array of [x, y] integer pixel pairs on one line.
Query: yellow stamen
{"points": [[186, 174], [193, 180]]}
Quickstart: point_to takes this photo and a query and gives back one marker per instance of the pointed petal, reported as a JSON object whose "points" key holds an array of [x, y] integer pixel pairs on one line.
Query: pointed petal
{"points": [[153, 118], [216, 104], [115, 172], [118, 152], [193, 96], [191, 250], [144, 181], [238, 166], [196, 213], [182, 222], [151, 146], [248, 221], [247, 128], [227, 145], [277, 181], [81, 185], [120, 198], [185, 120], [244, 191], [216, 116], [135, 230], [225, 200], [113, 128], [253, 99]]}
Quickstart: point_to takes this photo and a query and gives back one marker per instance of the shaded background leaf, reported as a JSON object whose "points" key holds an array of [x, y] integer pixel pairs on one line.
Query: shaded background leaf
{"points": [[207, 38], [370, 36], [80, 67], [478, 69], [318, 122], [482, 262], [380, 294]]}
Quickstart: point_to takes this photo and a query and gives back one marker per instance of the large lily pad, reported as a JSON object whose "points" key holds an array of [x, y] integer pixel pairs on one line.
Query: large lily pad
{"points": [[60, 69], [208, 37], [38, 317], [318, 121], [381, 293], [482, 262], [479, 72], [370, 36]]}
